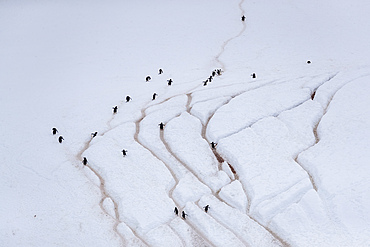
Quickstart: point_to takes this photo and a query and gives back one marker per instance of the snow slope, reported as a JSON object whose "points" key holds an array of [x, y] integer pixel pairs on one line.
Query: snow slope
{"points": [[290, 164]]}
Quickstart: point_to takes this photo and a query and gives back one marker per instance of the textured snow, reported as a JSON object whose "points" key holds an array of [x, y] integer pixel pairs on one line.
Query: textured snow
{"points": [[183, 135], [290, 166], [234, 195], [243, 226], [208, 226], [251, 106], [189, 236], [134, 181], [338, 161]]}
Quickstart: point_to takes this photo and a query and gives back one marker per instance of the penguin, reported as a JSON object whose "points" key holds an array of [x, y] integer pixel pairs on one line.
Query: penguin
{"points": [[54, 130], [183, 215], [60, 139], [115, 109], [213, 145], [154, 95], [84, 161], [313, 95]]}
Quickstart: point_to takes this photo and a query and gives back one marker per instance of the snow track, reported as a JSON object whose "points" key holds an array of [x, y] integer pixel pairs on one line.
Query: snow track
{"points": [[217, 58]]}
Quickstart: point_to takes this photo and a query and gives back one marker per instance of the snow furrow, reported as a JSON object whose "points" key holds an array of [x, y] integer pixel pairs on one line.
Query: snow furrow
{"points": [[243, 226], [317, 138], [218, 156], [104, 195], [325, 108], [269, 115], [174, 175], [291, 108], [315, 132], [261, 102], [225, 225], [168, 147], [101, 185], [190, 235], [103, 192], [204, 128], [137, 123], [208, 226], [183, 241]]}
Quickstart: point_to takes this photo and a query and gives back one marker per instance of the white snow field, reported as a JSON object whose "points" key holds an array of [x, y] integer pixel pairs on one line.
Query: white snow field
{"points": [[277, 160]]}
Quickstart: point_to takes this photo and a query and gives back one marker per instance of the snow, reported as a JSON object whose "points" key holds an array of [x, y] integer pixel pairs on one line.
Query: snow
{"points": [[183, 135], [189, 188], [306, 223], [234, 195], [150, 133], [341, 155], [243, 226], [256, 155], [109, 207], [252, 106], [215, 232], [135, 181], [168, 237], [28, 219], [188, 234], [130, 238], [204, 110], [291, 162], [226, 168], [301, 122]]}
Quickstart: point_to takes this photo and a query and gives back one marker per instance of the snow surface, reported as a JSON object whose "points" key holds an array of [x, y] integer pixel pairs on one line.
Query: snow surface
{"points": [[290, 164]]}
